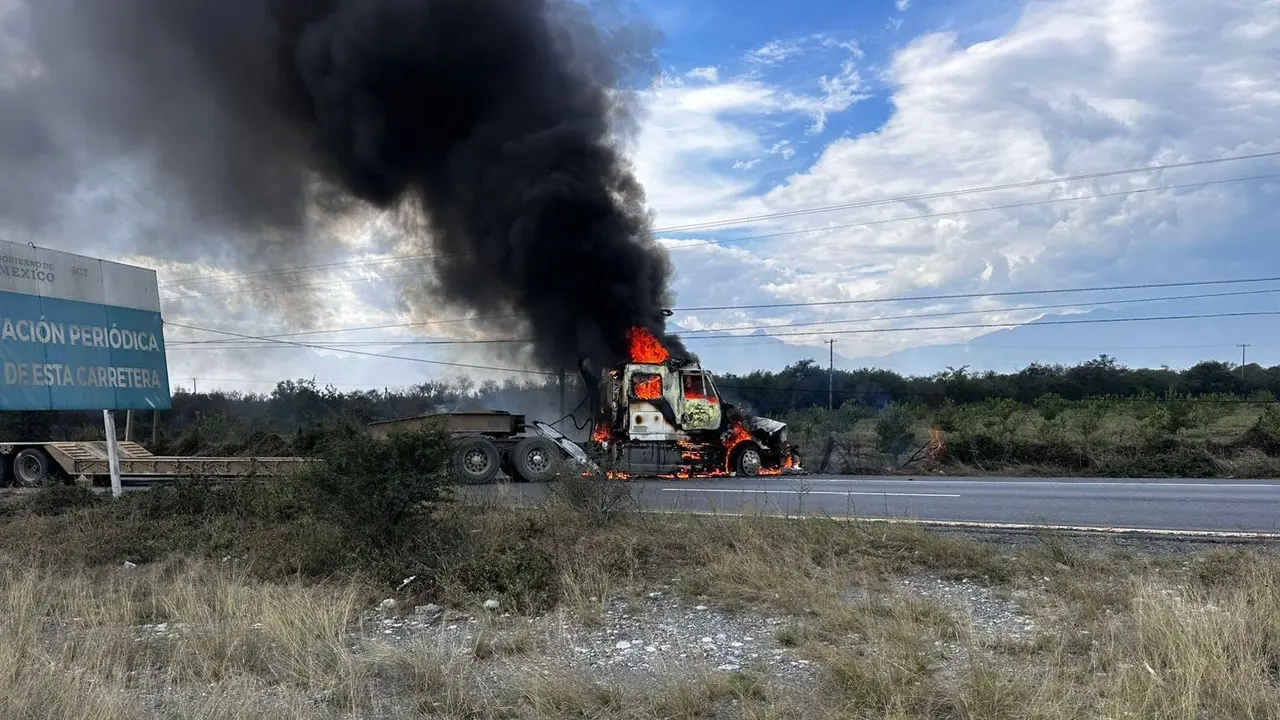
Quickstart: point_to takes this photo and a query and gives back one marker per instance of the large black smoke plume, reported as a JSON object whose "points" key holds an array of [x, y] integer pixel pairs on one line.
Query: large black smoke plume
{"points": [[489, 127]]}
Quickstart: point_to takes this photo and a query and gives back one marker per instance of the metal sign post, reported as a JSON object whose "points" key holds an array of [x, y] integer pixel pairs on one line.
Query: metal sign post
{"points": [[113, 454]]}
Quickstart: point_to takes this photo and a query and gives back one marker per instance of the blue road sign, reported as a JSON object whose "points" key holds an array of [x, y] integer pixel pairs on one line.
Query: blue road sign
{"points": [[78, 333]]}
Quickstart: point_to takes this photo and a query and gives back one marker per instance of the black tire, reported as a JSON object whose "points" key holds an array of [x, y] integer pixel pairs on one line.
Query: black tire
{"points": [[477, 460], [31, 468], [747, 460], [536, 459]]}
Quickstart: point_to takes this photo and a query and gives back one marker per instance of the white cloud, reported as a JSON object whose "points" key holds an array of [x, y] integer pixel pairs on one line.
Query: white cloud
{"points": [[775, 51], [709, 73], [902, 5], [1073, 87], [783, 148]]}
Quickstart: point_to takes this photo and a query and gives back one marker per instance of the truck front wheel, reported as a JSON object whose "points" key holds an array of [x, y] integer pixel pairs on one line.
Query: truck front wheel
{"points": [[477, 460], [536, 459], [31, 467], [747, 460]]}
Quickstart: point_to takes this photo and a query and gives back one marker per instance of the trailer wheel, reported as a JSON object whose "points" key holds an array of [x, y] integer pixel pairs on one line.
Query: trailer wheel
{"points": [[477, 460], [31, 467], [536, 459], [747, 460]]}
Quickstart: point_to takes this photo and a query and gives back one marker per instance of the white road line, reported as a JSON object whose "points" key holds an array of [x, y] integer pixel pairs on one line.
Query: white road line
{"points": [[1016, 483], [811, 492], [960, 524]]}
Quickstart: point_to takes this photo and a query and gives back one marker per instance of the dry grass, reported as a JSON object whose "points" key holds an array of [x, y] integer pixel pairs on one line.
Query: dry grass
{"points": [[1117, 635]]}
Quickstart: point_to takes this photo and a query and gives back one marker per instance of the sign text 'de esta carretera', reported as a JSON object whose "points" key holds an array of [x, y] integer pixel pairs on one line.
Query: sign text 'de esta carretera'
{"points": [[78, 333]]}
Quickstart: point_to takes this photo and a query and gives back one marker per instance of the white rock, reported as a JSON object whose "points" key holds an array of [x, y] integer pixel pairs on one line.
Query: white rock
{"points": [[735, 644], [650, 649], [655, 595], [622, 645], [387, 605], [707, 641], [729, 667], [702, 607], [492, 605], [128, 565]]}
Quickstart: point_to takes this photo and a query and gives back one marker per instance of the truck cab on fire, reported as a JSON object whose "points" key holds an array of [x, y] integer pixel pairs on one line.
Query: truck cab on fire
{"points": [[668, 419]]}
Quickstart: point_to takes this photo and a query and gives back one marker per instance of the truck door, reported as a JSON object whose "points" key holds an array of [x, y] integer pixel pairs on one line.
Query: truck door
{"points": [[699, 403]]}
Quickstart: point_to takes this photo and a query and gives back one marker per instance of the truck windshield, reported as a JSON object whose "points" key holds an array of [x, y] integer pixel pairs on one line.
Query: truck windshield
{"points": [[698, 387]]}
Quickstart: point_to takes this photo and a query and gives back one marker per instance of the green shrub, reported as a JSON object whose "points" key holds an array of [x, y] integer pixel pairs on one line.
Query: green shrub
{"points": [[60, 499], [895, 430], [377, 489]]}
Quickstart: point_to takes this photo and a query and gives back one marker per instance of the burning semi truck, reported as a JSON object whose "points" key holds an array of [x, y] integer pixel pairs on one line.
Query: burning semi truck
{"points": [[663, 416], [653, 416]]}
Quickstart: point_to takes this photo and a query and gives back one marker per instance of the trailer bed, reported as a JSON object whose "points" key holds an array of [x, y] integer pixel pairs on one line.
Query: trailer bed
{"points": [[88, 459]]}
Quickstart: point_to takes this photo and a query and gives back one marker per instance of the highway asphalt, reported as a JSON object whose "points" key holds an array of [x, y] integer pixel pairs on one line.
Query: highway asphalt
{"points": [[1249, 506]]}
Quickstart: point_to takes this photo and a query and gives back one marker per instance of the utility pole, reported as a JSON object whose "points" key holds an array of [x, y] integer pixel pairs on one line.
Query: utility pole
{"points": [[831, 375], [1243, 348], [195, 386]]}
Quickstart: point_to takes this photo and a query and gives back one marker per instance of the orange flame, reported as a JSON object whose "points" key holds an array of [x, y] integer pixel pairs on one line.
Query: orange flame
{"points": [[602, 434], [739, 436], [647, 387], [645, 348]]}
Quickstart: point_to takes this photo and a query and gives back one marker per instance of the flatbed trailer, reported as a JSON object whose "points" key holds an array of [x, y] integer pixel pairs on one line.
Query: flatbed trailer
{"points": [[28, 464], [492, 441]]}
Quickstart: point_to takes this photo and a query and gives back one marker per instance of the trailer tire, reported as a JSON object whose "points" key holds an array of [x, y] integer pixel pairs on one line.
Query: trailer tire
{"points": [[477, 460], [31, 468], [536, 459], [747, 460]]}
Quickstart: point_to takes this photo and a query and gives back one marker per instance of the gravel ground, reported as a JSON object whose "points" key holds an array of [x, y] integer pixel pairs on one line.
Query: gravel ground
{"points": [[636, 642], [641, 641]]}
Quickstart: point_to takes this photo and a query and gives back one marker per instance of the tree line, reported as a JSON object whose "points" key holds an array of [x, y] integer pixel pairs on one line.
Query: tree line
{"points": [[805, 384], [295, 405]]}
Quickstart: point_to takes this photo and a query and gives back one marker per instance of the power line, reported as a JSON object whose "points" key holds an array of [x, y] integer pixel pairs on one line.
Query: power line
{"points": [[392, 326], [293, 269], [688, 334], [824, 303], [361, 352], [954, 193], [699, 334], [971, 296], [325, 283], [848, 226], [728, 222], [953, 213], [918, 328], [1092, 321]]}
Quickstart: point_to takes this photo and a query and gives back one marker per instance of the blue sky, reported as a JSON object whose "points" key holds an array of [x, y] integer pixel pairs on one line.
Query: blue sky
{"points": [[769, 107]]}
